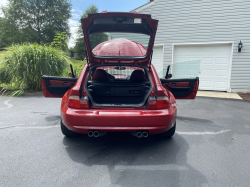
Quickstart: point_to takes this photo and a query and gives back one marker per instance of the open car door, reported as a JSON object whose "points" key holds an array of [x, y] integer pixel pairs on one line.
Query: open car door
{"points": [[182, 88], [56, 86]]}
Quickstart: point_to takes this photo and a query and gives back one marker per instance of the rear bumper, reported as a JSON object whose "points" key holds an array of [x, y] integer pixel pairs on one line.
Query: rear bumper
{"points": [[154, 121]]}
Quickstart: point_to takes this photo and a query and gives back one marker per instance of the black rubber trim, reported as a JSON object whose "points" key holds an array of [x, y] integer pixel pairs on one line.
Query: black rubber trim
{"points": [[179, 80], [119, 83], [59, 78]]}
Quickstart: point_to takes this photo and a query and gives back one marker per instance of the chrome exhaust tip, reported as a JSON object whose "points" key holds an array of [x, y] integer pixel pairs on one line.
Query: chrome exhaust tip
{"points": [[145, 134], [139, 134], [90, 133], [96, 134]]}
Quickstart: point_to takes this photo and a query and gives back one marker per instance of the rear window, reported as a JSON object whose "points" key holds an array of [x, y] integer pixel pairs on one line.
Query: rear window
{"points": [[119, 44]]}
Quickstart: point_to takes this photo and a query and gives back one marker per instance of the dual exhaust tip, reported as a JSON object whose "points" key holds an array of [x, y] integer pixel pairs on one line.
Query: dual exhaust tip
{"points": [[140, 134], [95, 133]]}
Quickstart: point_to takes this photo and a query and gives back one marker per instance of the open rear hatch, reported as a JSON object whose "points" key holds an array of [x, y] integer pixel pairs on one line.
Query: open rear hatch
{"points": [[116, 40], [99, 29]]}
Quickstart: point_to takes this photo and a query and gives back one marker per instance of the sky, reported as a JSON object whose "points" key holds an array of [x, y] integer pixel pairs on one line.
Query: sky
{"points": [[79, 6]]}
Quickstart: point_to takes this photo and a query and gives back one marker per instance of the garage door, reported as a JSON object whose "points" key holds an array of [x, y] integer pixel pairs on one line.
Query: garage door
{"points": [[157, 60], [214, 63]]}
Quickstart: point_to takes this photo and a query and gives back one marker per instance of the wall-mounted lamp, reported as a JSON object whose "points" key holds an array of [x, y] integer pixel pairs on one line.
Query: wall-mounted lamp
{"points": [[240, 45]]}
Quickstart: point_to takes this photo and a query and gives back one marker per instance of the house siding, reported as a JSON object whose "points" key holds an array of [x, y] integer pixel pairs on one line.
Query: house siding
{"points": [[192, 21]]}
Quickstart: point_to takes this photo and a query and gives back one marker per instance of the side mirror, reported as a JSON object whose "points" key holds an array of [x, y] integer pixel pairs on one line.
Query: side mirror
{"points": [[169, 76]]}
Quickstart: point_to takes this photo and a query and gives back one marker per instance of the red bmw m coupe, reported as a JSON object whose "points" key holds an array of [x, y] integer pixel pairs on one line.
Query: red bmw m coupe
{"points": [[119, 89]]}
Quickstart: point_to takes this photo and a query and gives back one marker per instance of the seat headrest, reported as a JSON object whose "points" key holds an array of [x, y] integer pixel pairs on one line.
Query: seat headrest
{"points": [[138, 75], [100, 75]]}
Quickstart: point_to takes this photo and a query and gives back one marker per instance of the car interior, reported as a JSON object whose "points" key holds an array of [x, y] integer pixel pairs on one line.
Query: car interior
{"points": [[105, 89]]}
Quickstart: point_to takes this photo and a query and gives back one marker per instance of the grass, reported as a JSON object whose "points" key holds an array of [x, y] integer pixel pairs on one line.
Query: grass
{"points": [[77, 65], [29, 61], [10, 91]]}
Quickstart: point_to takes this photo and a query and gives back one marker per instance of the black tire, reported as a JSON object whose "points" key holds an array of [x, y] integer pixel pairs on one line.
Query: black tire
{"points": [[170, 132], [67, 132]]}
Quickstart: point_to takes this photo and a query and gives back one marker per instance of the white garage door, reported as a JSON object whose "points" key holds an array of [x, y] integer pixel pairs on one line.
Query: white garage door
{"points": [[157, 60], [214, 63]]}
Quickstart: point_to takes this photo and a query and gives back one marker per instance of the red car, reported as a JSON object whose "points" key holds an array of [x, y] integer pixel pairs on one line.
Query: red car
{"points": [[118, 89]]}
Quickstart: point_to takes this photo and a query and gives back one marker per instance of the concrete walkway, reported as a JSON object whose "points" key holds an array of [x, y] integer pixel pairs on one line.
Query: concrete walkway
{"points": [[218, 94]]}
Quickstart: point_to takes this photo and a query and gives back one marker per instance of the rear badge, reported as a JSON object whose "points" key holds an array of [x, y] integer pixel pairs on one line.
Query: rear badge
{"points": [[137, 20]]}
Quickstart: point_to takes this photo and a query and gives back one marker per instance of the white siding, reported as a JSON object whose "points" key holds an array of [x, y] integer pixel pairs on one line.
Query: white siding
{"points": [[193, 21]]}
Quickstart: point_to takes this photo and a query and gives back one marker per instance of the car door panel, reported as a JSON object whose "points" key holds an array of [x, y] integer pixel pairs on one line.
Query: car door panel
{"points": [[56, 86], [56, 82], [179, 84], [182, 88]]}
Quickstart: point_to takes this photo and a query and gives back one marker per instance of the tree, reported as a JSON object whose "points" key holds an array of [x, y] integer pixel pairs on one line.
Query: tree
{"points": [[90, 10], [60, 41], [80, 48], [8, 32], [71, 52], [95, 39], [35, 20]]}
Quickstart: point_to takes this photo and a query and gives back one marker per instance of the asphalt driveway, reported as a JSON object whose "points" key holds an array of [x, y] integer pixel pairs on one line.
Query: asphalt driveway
{"points": [[211, 148]]}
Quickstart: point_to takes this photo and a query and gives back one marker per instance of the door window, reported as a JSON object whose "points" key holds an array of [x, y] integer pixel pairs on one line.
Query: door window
{"points": [[184, 69]]}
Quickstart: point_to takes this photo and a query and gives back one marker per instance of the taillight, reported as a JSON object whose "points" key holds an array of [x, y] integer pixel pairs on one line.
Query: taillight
{"points": [[75, 102], [162, 102]]}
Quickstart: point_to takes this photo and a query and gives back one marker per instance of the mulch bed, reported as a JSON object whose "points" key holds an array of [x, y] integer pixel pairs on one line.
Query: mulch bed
{"points": [[245, 96]]}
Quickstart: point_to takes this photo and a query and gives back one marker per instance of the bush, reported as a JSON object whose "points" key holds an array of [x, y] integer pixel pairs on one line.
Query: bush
{"points": [[24, 64]]}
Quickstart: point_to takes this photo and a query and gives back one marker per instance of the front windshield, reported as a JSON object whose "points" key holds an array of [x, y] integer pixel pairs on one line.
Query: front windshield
{"points": [[119, 44]]}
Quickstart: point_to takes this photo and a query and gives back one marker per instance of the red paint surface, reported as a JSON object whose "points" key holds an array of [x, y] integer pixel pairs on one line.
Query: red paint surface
{"points": [[155, 121], [119, 47]]}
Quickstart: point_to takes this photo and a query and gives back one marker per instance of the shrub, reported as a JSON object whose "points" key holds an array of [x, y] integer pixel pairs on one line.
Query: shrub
{"points": [[24, 64]]}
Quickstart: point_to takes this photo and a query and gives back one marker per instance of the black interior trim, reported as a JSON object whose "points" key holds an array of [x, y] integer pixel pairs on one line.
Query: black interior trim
{"points": [[180, 91], [58, 89], [129, 83], [118, 83], [110, 24]]}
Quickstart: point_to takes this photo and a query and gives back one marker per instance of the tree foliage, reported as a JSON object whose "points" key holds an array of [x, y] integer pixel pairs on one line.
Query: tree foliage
{"points": [[95, 39], [60, 41], [34, 21], [90, 10]]}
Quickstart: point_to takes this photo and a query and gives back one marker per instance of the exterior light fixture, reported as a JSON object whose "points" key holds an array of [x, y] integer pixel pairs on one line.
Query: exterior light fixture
{"points": [[240, 45]]}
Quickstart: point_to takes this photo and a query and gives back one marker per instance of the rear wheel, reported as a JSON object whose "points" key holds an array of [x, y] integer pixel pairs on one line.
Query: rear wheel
{"points": [[67, 132], [170, 132]]}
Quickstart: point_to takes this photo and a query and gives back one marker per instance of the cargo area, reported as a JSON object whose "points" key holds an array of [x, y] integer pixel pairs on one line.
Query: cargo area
{"points": [[118, 87]]}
